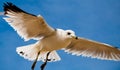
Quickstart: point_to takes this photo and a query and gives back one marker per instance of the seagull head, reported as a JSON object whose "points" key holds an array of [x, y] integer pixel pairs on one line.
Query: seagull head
{"points": [[70, 34]]}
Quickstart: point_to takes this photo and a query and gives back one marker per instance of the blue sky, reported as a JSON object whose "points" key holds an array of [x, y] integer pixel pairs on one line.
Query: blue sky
{"points": [[93, 19]]}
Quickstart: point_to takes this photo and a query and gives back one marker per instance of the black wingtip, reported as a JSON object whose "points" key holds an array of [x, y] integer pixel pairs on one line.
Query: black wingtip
{"points": [[8, 6], [4, 8]]}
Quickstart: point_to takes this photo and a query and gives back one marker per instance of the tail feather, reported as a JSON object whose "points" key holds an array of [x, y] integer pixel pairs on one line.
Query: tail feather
{"points": [[30, 52]]}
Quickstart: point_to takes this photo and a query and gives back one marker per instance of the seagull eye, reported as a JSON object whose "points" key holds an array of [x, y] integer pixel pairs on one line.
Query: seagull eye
{"points": [[68, 33]]}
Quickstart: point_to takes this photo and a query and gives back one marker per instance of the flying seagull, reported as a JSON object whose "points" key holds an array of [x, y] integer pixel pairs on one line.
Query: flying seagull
{"points": [[30, 26]]}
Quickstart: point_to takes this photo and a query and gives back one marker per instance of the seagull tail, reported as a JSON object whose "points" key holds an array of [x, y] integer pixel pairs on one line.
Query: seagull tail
{"points": [[30, 52]]}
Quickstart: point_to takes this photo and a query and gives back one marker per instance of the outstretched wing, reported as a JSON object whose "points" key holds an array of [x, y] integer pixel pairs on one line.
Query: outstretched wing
{"points": [[93, 49], [28, 26]]}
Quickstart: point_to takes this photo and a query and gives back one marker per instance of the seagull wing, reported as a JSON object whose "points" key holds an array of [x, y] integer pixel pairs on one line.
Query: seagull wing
{"points": [[28, 26], [93, 49]]}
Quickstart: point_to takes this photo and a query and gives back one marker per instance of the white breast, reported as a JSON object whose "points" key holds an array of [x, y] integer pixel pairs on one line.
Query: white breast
{"points": [[56, 41]]}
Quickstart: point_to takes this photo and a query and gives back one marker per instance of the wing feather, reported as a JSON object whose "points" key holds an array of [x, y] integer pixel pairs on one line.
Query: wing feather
{"points": [[28, 26], [93, 49]]}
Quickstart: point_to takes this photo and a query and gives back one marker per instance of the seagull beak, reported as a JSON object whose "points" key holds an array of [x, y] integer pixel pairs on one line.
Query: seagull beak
{"points": [[75, 37]]}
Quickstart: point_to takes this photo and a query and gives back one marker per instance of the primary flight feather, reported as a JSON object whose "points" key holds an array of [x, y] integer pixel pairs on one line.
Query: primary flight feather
{"points": [[30, 26]]}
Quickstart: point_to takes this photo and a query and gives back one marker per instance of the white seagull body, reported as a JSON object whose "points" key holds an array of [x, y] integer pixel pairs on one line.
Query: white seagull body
{"points": [[29, 26]]}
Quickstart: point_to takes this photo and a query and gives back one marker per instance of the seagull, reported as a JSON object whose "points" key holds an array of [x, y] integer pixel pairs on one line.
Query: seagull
{"points": [[49, 40]]}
